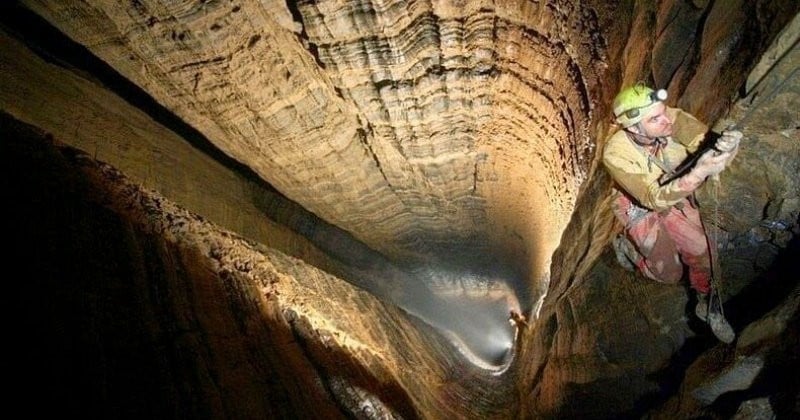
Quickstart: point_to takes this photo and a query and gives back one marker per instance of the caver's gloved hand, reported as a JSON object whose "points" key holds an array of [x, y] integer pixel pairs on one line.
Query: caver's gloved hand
{"points": [[710, 163], [728, 141]]}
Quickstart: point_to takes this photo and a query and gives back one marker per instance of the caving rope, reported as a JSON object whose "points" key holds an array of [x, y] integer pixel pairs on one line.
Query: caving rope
{"points": [[716, 270], [713, 247]]}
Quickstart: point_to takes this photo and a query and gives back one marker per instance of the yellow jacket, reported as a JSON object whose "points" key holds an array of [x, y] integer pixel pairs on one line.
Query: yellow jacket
{"points": [[635, 171]]}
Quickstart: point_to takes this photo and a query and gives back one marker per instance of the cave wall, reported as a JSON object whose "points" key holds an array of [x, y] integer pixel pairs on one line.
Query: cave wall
{"points": [[604, 339], [410, 125], [51, 83], [133, 307], [610, 341], [91, 107], [87, 112]]}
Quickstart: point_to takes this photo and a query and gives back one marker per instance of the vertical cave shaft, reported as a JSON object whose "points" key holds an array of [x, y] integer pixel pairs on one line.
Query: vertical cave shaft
{"points": [[326, 208]]}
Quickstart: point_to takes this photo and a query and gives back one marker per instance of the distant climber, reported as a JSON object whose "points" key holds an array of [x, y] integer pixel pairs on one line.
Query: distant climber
{"points": [[662, 225]]}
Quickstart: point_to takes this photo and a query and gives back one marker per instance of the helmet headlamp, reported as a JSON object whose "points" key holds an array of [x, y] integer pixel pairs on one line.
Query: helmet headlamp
{"points": [[633, 102], [655, 96]]}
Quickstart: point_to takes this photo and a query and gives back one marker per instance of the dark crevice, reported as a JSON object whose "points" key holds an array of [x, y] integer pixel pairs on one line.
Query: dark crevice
{"points": [[297, 16], [201, 63], [362, 137], [765, 293], [767, 290]]}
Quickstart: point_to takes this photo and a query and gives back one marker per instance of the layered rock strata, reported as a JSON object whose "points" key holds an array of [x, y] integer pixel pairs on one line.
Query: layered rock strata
{"points": [[426, 130]]}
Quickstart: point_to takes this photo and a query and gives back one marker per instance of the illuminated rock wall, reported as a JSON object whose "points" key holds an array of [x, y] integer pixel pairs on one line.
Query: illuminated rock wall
{"points": [[440, 134]]}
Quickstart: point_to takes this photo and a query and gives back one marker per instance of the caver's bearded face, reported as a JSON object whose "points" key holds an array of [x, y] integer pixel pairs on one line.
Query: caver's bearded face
{"points": [[656, 123]]}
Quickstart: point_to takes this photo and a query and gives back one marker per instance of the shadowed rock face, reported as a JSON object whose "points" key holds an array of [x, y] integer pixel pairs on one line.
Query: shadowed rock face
{"points": [[434, 156]]}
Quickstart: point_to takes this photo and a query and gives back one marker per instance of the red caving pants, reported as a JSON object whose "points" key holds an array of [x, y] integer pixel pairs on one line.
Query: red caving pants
{"points": [[666, 240]]}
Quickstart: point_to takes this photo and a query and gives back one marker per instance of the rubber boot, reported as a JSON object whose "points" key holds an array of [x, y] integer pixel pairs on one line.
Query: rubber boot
{"points": [[626, 252], [716, 320]]}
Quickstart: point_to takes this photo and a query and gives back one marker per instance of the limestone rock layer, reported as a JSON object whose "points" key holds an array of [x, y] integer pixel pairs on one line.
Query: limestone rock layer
{"points": [[416, 126]]}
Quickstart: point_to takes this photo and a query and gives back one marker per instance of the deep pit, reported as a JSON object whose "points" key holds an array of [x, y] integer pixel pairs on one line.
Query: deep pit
{"points": [[329, 209]]}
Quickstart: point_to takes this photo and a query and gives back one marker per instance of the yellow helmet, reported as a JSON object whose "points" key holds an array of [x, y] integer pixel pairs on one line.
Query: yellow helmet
{"points": [[633, 102]]}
